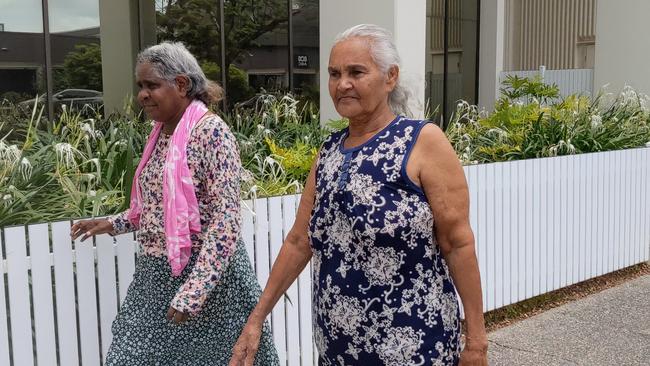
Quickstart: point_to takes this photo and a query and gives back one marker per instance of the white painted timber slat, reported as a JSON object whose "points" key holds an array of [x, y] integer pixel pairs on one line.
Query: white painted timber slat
{"points": [[482, 244], [19, 303], [646, 209], [640, 203], [603, 222], [248, 230], [87, 300], [499, 253], [520, 221], [490, 238], [620, 209], [65, 294], [292, 306], [594, 177], [564, 224], [585, 217], [543, 242], [638, 158], [107, 282], [125, 249], [537, 220], [612, 214], [4, 331], [508, 247], [39, 250], [528, 241], [575, 220], [631, 209], [557, 212], [261, 240], [278, 315]]}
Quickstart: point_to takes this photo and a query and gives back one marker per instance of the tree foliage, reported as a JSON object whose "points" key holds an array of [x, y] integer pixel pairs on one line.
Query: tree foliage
{"points": [[196, 24], [82, 68]]}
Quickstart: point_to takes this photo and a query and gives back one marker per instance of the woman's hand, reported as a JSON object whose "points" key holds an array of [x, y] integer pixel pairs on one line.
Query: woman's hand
{"points": [[243, 353], [475, 352], [90, 228], [177, 316]]}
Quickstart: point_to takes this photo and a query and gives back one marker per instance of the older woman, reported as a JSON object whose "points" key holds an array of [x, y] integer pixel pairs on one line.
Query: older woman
{"points": [[384, 218], [193, 286]]}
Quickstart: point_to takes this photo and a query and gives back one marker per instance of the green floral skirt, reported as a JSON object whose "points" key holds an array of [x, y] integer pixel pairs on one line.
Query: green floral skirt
{"points": [[142, 335]]}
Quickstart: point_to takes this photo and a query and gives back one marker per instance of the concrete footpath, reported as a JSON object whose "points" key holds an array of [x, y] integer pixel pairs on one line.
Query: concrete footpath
{"points": [[608, 328]]}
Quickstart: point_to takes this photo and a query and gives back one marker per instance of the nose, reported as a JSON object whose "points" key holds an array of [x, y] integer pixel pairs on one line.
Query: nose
{"points": [[344, 84], [143, 95]]}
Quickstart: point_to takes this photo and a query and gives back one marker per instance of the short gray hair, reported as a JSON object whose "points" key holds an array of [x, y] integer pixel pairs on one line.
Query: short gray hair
{"points": [[384, 54], [171, 59]]}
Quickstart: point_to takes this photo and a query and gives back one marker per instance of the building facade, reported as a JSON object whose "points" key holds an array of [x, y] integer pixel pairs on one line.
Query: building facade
{"points": [[451, 49]]}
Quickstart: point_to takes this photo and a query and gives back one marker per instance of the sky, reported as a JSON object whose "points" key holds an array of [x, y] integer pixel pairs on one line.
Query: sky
{"points": [[65, 15]]}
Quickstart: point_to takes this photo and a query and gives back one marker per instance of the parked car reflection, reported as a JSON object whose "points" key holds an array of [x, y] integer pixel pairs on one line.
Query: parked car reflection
{"points": [[69, 97]]}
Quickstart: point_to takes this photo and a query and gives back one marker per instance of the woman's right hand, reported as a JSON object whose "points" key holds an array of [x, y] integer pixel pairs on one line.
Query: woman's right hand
{"points": [[243, 353], [90, 228]]}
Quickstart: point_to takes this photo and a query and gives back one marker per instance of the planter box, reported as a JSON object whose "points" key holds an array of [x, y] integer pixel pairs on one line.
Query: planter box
{"points": [[540, 225]]}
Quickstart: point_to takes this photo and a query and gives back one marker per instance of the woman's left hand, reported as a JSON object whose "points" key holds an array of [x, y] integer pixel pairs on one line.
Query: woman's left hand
{"points": [[177, 316], [475, 352]]}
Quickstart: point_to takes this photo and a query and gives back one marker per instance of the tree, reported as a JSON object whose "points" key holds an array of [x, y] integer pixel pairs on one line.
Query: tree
{"points": [[196, 24], [82, 68]]}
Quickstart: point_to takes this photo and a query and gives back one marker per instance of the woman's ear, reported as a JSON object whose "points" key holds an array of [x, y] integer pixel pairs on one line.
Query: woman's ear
{"points": [[392, 76], [183, 84]]}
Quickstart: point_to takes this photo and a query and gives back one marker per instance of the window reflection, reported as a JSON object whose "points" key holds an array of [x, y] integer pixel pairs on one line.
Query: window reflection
{"points": [[305, 49], [22, 53], [256, 49], [451, 64], [257, 43], [76, 53]]}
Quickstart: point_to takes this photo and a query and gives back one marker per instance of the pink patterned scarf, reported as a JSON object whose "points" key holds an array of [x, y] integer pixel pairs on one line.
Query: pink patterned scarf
{"points": [[181, 209]]}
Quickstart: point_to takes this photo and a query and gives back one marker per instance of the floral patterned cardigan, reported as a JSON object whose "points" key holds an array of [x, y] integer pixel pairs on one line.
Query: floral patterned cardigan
{"points": [[213, 160]]}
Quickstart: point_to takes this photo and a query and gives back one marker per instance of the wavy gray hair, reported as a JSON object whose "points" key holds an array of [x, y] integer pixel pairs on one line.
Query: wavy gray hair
{"points": [[384, 53], [171, 59]]}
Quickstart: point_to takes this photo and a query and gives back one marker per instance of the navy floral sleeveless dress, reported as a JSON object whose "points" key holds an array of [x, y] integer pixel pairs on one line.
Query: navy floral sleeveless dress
{"points": [[382, 293]]}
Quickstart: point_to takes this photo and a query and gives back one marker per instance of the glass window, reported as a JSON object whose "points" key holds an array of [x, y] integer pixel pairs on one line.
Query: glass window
{"points": [[451, 64], [435, 55], [76, 52], [201, 32], [257, 46], [306, 63], [22, 52], [461, 55]]}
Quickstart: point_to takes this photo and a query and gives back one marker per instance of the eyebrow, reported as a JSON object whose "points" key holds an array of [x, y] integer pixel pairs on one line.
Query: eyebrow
{"points": [[348, 67]]}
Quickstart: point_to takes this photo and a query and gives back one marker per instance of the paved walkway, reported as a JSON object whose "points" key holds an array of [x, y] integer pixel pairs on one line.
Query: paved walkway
{"points": [[608, 328]]}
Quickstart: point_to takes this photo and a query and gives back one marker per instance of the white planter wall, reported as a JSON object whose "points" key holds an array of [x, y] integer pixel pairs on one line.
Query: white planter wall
{"points": [[540, 225]]}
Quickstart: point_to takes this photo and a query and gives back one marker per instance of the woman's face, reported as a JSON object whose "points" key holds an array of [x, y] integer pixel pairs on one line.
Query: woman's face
{"points": [[356, 84], [161, 100]]}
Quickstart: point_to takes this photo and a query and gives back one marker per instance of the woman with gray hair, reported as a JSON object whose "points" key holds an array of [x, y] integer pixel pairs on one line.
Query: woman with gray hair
{"points": [[384, 218], [193, 285]]}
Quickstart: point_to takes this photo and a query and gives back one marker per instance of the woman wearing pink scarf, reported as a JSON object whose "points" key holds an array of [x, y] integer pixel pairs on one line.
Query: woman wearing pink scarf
{"points": [[193, 286]]}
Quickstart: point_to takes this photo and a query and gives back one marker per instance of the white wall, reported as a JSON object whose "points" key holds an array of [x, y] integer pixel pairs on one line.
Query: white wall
{"points": [[405, 18], [622, 46]]}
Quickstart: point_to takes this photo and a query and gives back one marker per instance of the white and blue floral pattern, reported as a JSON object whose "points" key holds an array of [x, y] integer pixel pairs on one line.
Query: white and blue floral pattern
{"points": [[382, 293]]}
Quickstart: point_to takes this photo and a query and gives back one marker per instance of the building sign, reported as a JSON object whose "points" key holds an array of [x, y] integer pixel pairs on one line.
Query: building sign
{"points": [[302, 61]]}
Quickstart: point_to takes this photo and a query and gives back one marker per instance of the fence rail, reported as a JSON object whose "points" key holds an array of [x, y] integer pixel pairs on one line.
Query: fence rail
{"points": [[540, 225]]}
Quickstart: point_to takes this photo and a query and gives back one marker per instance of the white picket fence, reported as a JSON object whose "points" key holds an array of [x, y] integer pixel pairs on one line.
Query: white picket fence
{"points": [[540, 225], [569, 81]]}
